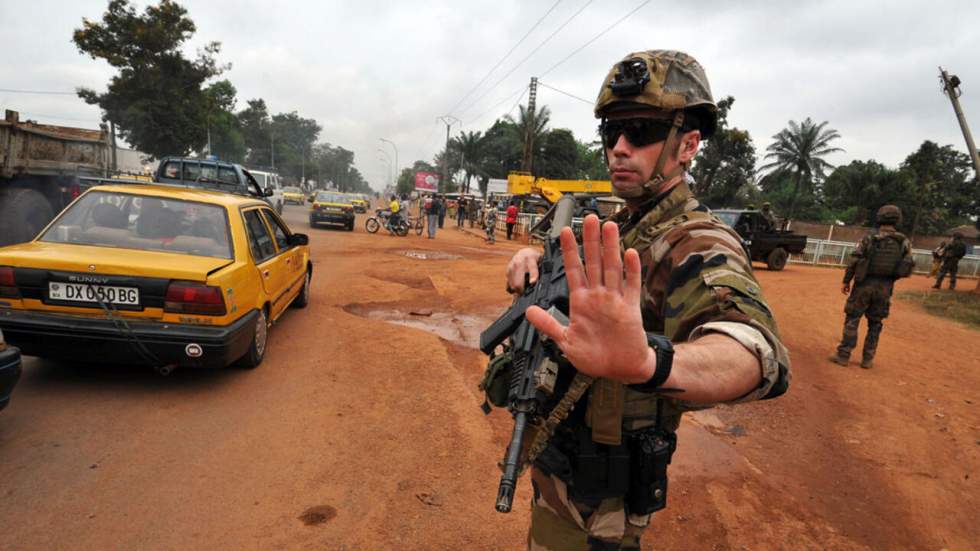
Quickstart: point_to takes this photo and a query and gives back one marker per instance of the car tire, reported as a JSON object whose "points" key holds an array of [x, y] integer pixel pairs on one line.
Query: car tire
{"points": [[372, 225], [776, 260], [312, 223], [260, 338], [350, 226], [303, 298], [23, 214]]}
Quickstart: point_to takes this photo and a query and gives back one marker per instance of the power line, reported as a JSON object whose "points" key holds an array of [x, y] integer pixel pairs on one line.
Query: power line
{"points": [[42, 115], [596, 37], [38, 92], [519, 42], [564, 92], [516, 67], [516, 103], [498, 104]]}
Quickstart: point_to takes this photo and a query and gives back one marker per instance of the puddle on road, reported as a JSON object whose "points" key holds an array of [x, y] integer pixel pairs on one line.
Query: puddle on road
{"points": [[320, 514], [462, 329], [429, 255]]}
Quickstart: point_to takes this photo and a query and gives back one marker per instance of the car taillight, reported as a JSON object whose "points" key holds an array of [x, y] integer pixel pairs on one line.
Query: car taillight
{"points": [[8, 287], [188, 297]]}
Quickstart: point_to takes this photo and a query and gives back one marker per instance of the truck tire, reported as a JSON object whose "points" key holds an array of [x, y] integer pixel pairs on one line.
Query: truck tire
{"points": [[23, 214], [777, 259]]}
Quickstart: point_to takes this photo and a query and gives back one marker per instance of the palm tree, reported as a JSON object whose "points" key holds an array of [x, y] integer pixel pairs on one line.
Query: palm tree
{"points": [[469, 147], [799, 150], [531, 127]]}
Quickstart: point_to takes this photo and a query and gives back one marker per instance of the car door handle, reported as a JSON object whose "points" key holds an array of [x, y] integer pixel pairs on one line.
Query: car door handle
{"points": [[265, 273], [289, 261]]}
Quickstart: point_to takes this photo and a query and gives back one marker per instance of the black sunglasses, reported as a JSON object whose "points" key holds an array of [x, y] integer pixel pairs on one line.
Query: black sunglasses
{"points": [[640, 131]]}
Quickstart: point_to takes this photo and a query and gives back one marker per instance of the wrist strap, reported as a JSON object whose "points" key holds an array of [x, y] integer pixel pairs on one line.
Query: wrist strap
{"points": [[665, 360]]}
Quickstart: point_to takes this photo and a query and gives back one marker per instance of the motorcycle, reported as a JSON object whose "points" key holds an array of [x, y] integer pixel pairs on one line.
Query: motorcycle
{"points": [[382, 217]]}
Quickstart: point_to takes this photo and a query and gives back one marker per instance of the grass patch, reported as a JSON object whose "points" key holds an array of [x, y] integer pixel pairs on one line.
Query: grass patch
{"points": [[961, 306]]}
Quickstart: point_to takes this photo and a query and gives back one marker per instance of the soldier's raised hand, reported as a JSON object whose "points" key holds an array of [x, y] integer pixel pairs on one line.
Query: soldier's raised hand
{"points": [[605, 335]]}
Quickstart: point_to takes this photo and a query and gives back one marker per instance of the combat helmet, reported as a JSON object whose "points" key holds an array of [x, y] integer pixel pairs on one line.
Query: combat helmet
{"points": [[669, 82], [889, 214]]}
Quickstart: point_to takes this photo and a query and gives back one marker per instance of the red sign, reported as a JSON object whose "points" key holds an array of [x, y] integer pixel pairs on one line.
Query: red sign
{"points": [[426, 181]]}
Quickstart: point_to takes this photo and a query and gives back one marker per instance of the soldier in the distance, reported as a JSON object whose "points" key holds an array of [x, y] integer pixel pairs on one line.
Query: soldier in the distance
{"points": [[951, 261], [879, 260]]}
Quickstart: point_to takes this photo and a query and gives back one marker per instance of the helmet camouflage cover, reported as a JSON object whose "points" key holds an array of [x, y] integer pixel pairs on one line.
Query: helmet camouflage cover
{"points": [[889, 214], [665, 80]]}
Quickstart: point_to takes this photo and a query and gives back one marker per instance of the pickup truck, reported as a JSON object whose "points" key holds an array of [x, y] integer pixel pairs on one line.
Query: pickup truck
{"points": [[764, 242], [211, 174]]}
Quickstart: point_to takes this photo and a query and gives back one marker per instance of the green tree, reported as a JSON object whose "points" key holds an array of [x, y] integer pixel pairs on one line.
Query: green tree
{"points": [[944, 189], [856, 191], [725, 168], [227, 141], [256, 129], [502, 149], [469, 149], [156, 99], [294, 138], [592, 161], [800, 150], [557, 156], [531, 127]]}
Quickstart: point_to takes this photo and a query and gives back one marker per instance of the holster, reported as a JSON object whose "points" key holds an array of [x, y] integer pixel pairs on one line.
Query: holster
{"points": [[650, 453]]}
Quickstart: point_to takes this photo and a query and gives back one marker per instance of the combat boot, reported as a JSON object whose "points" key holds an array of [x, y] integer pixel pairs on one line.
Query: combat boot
{"points": [[839, 360], [867, 363]]}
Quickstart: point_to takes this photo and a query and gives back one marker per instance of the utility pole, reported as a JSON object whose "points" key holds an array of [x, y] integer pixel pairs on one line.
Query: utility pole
{"points": [[951, 86], [449, 121], [532, 97], [272, 148], [396, 155]]}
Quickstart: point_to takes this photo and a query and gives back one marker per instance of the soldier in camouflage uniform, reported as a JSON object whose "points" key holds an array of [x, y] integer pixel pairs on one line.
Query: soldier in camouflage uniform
{"points": [[687, 277], [878, 261], [951, 261]]}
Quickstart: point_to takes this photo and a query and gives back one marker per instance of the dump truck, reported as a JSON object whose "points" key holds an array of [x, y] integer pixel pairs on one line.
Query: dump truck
{"points": [[40, 170]]}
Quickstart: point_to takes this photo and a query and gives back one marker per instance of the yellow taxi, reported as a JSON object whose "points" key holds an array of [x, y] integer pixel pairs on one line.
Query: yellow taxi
{"points": [[292, 194], [331, 207], [154, 274], [360, 203]]}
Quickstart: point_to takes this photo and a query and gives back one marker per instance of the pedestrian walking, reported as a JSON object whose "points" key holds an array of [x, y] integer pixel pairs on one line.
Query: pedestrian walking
{"points": [[511, 220], [951, 261], [937, 258], [432, 215], [461, 212], [490, 223], [878, 261], [442, 210]]}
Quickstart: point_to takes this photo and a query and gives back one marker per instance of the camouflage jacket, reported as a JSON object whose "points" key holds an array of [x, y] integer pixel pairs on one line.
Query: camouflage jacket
{"points": [[861, 252], [697, 280]]}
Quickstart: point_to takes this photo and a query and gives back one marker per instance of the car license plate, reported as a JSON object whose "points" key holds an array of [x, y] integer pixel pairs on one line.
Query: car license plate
{"points": [[83, 292]]}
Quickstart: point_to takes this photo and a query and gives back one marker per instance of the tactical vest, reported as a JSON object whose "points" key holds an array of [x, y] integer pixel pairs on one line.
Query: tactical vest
{"points": [[885, 255], [613, 406]]}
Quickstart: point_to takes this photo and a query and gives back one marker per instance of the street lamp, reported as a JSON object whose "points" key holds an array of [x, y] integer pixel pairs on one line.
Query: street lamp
{"points": [[396, 152], [387, 162]]}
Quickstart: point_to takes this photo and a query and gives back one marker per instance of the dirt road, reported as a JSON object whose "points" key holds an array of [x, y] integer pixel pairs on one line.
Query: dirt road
{"points": [[362, 429]]}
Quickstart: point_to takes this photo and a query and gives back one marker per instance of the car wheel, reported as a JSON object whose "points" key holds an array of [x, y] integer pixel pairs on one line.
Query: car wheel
{"points": [[303, 298], [312, 222], [777, 259], [350, 226], [372, 225], [260, 337]]}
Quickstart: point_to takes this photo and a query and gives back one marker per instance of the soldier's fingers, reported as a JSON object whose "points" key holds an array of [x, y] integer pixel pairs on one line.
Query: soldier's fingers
{"points": [[531, 269], [612, 262], [632, 291], [592, 249], [546, 324], [573, 264]]}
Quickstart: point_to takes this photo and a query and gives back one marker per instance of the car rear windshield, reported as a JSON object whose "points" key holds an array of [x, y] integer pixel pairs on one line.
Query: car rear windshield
{"points": [[728, 217], [291, 189], [324, 197], [128, 221]]}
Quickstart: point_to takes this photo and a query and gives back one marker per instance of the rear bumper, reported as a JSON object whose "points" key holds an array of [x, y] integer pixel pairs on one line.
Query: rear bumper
{"points": [[100, 340], [9, 373], [331, 218]]}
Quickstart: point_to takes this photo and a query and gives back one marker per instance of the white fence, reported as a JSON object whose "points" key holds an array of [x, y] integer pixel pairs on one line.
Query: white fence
{"points": [[836, 253]]}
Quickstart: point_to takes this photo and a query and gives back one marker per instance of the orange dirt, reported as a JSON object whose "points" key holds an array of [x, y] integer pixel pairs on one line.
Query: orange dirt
{"points": [[362, 429]]}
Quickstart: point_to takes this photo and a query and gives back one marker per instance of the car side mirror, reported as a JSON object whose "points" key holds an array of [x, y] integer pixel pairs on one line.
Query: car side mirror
{"points": [[298, 239], [269, 192]]}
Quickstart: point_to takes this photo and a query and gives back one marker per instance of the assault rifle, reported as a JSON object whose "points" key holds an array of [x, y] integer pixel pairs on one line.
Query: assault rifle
{"points": [[534, 358]]}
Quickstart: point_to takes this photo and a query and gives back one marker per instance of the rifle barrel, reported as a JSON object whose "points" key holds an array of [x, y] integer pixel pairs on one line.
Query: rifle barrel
{"points": [[508, 480]]}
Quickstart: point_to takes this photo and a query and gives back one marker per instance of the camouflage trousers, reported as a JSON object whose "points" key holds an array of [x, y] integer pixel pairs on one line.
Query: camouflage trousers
{"points": [[947, 268], [559, 523], [870, 298]]}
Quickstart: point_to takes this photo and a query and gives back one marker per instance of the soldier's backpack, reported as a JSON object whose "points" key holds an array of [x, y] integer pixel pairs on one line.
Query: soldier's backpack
{"points": [[887, 258]]}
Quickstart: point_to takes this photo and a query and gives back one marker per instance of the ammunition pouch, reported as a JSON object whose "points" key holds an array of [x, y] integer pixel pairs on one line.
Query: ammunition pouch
{"points": [[496, 381], [635, 470]]}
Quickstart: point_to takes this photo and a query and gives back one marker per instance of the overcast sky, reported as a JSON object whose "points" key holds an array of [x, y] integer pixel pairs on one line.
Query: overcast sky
{"points": [[375, 69]]}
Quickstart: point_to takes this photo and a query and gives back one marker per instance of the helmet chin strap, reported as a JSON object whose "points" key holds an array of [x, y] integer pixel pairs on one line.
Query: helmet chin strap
{"points": [[657, 179]]}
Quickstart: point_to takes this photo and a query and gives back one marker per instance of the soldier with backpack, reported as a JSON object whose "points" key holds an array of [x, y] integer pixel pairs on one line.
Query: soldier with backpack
{"points": [[880, 259]]}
